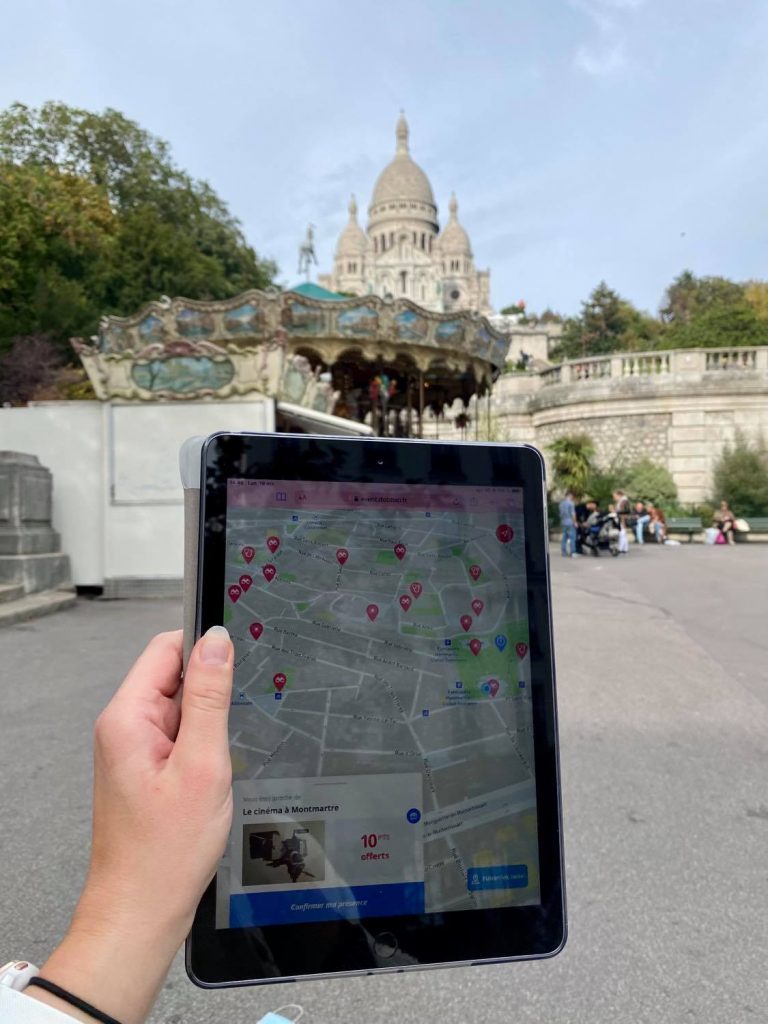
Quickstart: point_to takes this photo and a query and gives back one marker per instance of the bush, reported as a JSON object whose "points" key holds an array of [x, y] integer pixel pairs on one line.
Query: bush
{"points": [[741, 477], [648, 481], [601, 483], [642, 480]]}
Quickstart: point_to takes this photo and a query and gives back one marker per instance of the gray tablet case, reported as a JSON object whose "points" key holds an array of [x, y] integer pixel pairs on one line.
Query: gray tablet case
{"points": [[190, 456]]}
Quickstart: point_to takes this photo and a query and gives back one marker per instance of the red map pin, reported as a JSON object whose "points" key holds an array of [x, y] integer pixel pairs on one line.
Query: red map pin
{"points": [[416, 589], [248, 552], [522, 649], [405, 602], [475, 572], [372, 611], [269, 573], [493, 687], [256, 629], [273, 543], [466, 622], [279, 680], [475, 645], [342, 555], [234, 592], [477, 606], [399, 550], [245, 582], [505, 533]]}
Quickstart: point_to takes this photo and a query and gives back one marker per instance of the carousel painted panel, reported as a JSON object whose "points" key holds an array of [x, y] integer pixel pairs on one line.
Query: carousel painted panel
{"points": [[358, 322], [300, 319], [410, 326], [194, 324], [247, 319], [151, 330], [451, 332], [183, 375]]}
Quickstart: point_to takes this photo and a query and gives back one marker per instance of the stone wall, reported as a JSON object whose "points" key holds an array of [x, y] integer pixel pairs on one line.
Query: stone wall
{"points": [[678, 408], [616, 439]]}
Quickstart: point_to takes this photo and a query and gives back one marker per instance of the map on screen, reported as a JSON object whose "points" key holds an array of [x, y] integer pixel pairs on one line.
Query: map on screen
{"points": [[381, 723]]}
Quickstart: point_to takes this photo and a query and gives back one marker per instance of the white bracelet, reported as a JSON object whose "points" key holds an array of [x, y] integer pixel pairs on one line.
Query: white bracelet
{"points": [[16, 974]]}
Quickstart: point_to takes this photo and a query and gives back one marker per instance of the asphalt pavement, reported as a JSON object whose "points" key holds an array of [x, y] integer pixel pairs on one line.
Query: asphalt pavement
{"points": [[663, 697]]}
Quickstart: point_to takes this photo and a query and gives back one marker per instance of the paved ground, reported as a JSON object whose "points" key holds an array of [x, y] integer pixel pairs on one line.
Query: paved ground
{"points": [[663, 689]]}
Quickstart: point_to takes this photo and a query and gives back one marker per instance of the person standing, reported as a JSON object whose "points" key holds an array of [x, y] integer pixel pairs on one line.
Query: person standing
{"points": [[623, 512], [568, 523]]}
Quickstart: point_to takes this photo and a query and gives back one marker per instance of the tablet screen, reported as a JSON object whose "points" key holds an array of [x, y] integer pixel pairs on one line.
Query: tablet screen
{"points": [[382, 725]]}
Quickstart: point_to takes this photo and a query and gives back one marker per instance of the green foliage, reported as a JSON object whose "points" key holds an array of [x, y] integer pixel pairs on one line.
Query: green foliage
{"points": [[741, 477], [713, 312], [646, 480], [607, 323], [710, 312], [572, 457], [96, 218], [642, 480], [601, 483], [57, 234]]}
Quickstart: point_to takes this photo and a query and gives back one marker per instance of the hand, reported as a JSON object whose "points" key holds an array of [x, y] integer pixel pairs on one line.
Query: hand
{"points": [[162, 810]]}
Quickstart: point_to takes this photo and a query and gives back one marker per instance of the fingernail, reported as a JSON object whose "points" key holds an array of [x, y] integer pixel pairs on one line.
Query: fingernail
{"points": [[216, 646]]}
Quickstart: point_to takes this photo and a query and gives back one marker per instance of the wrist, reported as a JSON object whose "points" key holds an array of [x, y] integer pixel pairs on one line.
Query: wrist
{"points": [[115, 957]]}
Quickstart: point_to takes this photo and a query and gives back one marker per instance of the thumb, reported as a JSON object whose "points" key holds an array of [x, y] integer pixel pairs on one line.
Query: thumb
{"points": [[206, 697]]}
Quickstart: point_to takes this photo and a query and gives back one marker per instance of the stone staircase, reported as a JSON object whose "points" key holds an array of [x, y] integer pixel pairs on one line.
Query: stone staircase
{"points": [[34, 573]]}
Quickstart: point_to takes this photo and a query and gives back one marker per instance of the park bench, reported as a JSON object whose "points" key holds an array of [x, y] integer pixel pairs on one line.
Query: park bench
{"points": [[684, 524], [757, 524]]}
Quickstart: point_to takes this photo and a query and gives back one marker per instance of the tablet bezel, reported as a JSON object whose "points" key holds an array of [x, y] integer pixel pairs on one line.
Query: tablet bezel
{"points": [[238, 956]]}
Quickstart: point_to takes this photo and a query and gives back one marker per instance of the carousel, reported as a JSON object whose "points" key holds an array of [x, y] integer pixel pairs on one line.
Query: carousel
{"points": [[387, 363]]}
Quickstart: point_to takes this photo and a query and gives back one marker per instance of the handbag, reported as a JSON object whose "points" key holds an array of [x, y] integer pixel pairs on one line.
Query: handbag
{"points": [[741, 525]]}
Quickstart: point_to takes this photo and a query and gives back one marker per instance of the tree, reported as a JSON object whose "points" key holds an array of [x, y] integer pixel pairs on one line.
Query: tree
{"points": [[607, 323], [756, 294], [136, 225], [689, 296], [29, 366], [740, 477], [57, 235], [714, 312], [572, 457]]}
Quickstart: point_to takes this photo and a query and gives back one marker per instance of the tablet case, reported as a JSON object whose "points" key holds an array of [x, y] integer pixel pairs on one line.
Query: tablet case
{"points": [[190, 458]]}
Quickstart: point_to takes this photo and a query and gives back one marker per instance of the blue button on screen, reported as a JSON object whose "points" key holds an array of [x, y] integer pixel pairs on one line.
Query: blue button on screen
{"points": [[502, 876]]}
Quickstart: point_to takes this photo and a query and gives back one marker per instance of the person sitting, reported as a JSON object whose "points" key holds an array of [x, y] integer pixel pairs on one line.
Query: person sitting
{"points": [[641, 519], [724, 520], [658, 523]]}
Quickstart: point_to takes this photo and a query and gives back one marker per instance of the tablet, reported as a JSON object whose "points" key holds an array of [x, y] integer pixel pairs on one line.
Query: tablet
{"points": [[393, 723]]}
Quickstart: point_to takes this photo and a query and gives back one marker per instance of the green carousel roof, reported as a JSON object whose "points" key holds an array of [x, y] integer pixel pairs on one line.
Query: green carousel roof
{"points": [[314, 291]]}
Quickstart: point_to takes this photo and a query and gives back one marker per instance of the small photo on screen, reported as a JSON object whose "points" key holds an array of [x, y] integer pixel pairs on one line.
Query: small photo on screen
{"points": [[276, 853]]}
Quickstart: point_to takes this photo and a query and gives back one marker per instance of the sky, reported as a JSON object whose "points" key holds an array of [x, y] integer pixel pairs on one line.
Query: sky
{"points": [[586, 140]]}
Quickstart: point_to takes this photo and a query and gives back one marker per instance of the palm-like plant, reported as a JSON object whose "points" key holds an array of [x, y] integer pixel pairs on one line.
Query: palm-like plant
{"points": [[572, 457]]}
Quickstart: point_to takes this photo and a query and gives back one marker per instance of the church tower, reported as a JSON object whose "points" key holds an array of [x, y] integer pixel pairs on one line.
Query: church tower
{"points": [[402, 253]]}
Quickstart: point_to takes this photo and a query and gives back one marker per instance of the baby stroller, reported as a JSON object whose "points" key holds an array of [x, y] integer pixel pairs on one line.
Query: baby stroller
{"points": [[601, 532]]}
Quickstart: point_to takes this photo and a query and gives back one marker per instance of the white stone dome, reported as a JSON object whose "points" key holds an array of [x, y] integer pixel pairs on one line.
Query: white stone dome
{"points": [[454, 239], [352, 240], [402, 180]]}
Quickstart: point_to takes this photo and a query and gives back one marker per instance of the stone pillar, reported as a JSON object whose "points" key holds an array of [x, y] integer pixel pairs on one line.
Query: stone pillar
{"points": [[30, 555]]}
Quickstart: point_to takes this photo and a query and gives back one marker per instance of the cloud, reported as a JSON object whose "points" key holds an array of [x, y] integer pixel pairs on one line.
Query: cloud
{"points": [[602, 60], [608, 54]]}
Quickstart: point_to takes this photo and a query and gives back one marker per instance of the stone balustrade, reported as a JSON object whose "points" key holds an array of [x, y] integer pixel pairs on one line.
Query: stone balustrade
{"points": [[689, 361]]}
